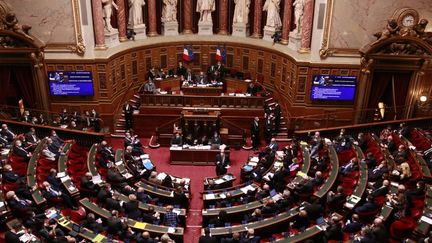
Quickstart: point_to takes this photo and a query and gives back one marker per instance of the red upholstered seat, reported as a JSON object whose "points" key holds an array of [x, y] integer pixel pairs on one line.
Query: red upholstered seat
{"points": [[402, 229], [78, 215]]}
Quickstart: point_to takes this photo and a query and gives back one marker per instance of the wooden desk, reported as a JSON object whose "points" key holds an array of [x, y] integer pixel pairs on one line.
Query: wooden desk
{"points": [[423, 228], [280, 220], [91, 160], [328, 184], [362, 181], [194, 156], [300, 237], [202, 91], [220, 181], [197, 114], [306, 164], [135, 225], [84, 232], [62, 167], [233, 212], [210, 198], [31, 174]]}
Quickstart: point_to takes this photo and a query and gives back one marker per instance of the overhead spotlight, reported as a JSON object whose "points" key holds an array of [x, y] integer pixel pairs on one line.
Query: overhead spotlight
{"points": [[423, 98]]}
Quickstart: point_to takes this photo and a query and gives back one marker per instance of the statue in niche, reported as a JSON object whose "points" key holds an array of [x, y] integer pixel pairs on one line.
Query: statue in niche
{"points": [[298, 15], [107, 11], [169, 11], [273, 18], [135, 13], [241, 11], [205, 7]]}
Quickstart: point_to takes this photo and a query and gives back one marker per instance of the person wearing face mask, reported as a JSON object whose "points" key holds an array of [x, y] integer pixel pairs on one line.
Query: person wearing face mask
{"points": [[6, 133], [20, 151], [51, 193], [9, 175], [57, 141], [19, 205]]}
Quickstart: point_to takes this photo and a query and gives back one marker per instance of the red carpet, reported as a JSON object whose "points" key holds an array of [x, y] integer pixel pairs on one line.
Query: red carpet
{"points": [[161, 159]]}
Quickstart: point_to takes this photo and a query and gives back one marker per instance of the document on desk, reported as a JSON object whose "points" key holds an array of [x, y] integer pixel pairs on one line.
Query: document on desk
{"points": [[61, 174], [140, 225], [219, 181], [254, 159], [177, 211], [161, 176], [426, 220], [65, 178], [210, 196], [247, 188], [97, 179], [171, 230]]}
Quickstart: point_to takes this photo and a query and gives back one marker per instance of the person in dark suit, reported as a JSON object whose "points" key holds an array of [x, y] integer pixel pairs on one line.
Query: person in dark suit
{"points": [[368, 206], [134, 142], [250, 237], [8, 134], [64, 117], [379, 231], [128, 114], [50, 193], [216, 139], [20, 151], [150, 216], [113, 203], [180, 198], [87, 183], [107, 155], [104, 193], [54, 181], [251, 89], [91, 224], [177, 140], [362, 142], [353, 226], [370, 160], [268, 128], [115, 225], [334, 231], [382, 190], [181, 70], [223, 158], [31, 138], [115, 178], [255, 130], [277, 116], [58, 142], [19, 205], [151, 74], [131, 208], [405, 130], [9, 175], [391, 145], [234, 239], [220, 168], [13, 235], [145, 238], [273, 145], [201, 78], [314, 210], [336, 199], [207, 238]]}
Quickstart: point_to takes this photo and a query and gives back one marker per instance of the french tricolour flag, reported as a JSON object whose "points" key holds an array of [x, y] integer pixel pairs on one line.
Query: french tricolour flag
{"points": [[187, 53], [220, 54]]}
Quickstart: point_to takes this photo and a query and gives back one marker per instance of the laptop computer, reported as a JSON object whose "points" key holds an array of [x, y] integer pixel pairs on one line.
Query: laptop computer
{"points": [[76, 228]]}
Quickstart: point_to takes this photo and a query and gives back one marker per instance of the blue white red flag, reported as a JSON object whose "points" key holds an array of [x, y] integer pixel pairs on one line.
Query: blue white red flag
{"points": [[188, 54]]}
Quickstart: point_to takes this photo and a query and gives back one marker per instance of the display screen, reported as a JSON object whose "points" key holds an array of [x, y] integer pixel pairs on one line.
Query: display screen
{"points": [[75, 83], [325, 87]]}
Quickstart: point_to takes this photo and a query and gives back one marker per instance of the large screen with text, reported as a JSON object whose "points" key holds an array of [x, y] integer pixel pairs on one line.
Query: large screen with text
{"points": [[326, 87], [70, 83]]}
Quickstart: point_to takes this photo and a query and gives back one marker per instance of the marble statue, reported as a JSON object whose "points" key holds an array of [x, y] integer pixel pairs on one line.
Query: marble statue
{"points": [[135, 13], [107, 11], [298, 14], [273, 17], [241, 11], [169, 11], [205, 7]]}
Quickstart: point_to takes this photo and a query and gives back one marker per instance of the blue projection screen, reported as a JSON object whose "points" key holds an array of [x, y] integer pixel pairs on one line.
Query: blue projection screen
{"points": [[341, 88], [74, 83]]}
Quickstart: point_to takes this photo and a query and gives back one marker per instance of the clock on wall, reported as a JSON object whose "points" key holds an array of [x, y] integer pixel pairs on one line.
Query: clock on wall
{"points": [[406, 17]]}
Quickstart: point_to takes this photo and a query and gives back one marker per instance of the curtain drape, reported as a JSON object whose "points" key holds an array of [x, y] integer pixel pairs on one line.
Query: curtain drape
{"points": [[24, 78], [5, 76]]}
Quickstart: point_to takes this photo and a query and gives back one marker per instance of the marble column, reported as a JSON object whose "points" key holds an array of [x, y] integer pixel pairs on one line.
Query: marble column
{"points": [[187, 16], [152, 18], [98, 24], [306, 24], [257, 21], [223, 17], [121, 20], [286, 22]]}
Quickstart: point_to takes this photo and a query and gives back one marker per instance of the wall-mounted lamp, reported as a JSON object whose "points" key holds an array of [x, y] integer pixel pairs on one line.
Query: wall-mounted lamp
{"points": [[381, 107], [423, 98]]}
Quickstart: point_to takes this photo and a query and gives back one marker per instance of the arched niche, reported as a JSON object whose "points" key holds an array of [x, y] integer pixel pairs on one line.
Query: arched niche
{"points": [[18, 48], [399, 58]]}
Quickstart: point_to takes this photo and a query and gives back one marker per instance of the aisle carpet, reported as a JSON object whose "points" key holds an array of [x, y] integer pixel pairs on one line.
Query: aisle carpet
{"points": [[161, 159]]}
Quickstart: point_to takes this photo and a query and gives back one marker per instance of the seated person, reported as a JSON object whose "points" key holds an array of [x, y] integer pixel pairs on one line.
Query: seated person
{"points": [[14, 234], [170, 218], [181, 70], [58, 142], [160, 74], [269, 207], [220, 220], [403, 171], [9, 175], [48, 154], [378, 172], [18, 150], [87, 183], [131, 208], [149, 87], [54, 181], [142, 195], [273, 145], [177, 140], [370, 160], [152, 73], [50, 193], [251, 89], [116, 179], [382, 190], [92, 224], [336, 198], [134, 142], [6, 133], [201, 78], [31, 138], [301, 221], [368, 206], [216, 139], [189, 77], [107, 154], [354, 225], [250, 236], [349, 167], [318, 180], [334, 230]]}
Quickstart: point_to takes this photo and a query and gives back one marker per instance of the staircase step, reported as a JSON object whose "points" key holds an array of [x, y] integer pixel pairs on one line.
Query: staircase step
{"points": [[282, 134], [124, 120], [283, 129], [133, 101], [271, 104], [120, 130], [137, 96], [117, 135], [120, 125], [269, 99], [283, 139]]}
